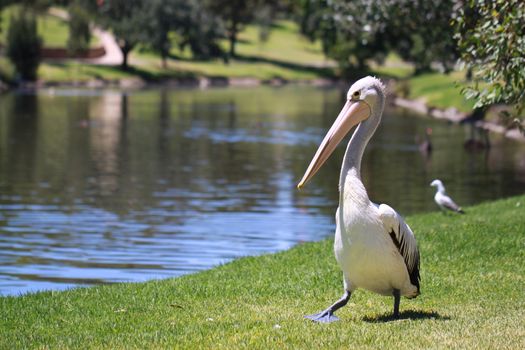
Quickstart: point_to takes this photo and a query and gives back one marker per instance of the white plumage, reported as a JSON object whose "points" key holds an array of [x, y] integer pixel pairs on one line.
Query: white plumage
{"points": [[443, 200], [374, 247]]}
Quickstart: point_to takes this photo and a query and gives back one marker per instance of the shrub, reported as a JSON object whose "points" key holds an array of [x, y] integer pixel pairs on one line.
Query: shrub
{"points": [[23, 45], [79, 31]]}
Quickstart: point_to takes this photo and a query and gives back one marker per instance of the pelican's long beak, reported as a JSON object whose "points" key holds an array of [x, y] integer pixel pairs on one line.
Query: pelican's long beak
{"points": [[352, 114]]}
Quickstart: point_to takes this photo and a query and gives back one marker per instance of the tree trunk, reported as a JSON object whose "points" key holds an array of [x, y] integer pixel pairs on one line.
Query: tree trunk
{"points": [[124, 64], [126, 49], [164, 58], [233, 38]]}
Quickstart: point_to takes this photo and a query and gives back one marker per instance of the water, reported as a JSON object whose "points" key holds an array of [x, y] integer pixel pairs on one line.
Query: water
{"points": [[110, 186]]}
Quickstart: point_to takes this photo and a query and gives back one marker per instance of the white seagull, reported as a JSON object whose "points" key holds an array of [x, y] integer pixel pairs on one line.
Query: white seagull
{"points": [[442, 200], [373, 245]]}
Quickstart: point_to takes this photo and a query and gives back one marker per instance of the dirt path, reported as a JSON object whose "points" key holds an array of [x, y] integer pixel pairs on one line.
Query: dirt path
{"points": [[113, 54]]}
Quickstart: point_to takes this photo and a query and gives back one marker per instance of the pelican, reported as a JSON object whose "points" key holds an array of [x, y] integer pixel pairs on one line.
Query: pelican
{"points": [[373, 245], [442, 200]]}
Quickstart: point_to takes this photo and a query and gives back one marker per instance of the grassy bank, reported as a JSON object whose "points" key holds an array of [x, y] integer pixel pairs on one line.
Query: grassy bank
{"points": [[439, 90], [285, 55], [472, 285], [436, 89]]}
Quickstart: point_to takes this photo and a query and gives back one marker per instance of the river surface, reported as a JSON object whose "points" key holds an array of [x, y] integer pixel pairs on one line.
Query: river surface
{"points": [[109, 186]]}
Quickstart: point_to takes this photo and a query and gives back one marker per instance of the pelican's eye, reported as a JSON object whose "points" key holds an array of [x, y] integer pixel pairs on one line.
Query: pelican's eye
{"points": [[356, 94]]}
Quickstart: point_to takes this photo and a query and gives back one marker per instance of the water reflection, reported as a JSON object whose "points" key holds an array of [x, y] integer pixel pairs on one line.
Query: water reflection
{"points": [[110, 186]]}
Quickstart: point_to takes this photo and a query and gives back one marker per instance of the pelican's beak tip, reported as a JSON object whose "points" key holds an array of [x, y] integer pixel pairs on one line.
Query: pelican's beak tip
{"points": [[299, 185]]}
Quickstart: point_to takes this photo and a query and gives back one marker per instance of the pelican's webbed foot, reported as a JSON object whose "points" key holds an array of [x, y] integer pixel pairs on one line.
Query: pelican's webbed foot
{"points": [[327, 315]]}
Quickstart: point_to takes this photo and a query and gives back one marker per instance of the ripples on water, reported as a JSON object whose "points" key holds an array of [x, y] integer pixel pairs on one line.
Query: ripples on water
{"points": [[105, 186]]}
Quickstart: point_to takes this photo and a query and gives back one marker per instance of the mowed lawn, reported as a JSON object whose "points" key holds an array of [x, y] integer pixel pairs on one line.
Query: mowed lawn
{"points": [[473, 282], [285, 55]]}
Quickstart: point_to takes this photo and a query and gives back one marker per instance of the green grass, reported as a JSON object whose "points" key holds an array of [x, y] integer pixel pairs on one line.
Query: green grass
{"points": [[473, 279], [285, 55], [393, 67], [284, 44], [54, 31], [436, 89], [440, 90], [71, 71]]}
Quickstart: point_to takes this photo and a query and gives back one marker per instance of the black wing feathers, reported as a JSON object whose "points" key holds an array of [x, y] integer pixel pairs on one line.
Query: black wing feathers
{"points": [[413, 271]]}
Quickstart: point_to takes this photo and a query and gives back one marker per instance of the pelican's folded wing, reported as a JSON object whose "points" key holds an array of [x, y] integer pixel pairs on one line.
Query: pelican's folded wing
{"points": [[403, 239]]}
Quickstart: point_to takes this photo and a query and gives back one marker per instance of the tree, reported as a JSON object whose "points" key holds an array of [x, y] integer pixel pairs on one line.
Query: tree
{"points": [[79, 30], [162, 16], [351, 32], [192, 23], [200, 32], [24, 44], [235, 14], [491, 39], [355, 32], [420, 32], [127, 21]]}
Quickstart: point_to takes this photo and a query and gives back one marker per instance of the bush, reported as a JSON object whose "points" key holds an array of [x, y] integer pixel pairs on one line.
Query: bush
{"points": [[79, 31], [23, 45]]}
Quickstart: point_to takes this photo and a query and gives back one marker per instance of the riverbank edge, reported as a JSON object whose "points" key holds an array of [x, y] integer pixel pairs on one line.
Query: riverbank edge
{"points": [[453, 115], [450, 114]]}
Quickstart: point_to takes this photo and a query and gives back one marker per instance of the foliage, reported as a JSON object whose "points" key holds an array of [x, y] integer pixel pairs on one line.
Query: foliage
{"points": [[491, 37], [23, 44], [349, 30], [472, 298], [79, 30], [355, 32], [439, 90], [420, 32], [158, 23], [200, 30], [236, 14], [162, 14], [187, 23]]}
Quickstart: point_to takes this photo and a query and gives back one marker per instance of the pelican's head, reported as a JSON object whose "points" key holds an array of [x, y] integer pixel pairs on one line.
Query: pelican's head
{"points": [[362, 102], [368, 90]]}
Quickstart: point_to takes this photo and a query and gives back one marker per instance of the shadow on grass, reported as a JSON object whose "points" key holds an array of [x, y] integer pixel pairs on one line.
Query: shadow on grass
{"points": [[99, 71], [406, 315], [154, 76], [321, 71]]}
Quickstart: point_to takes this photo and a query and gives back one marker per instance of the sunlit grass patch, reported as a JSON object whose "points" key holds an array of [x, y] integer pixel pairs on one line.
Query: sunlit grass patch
{"points": [[440, 90], [285, 55]]}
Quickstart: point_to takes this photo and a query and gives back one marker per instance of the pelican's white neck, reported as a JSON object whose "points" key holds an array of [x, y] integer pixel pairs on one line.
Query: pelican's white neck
{"points": [[355, 149]]}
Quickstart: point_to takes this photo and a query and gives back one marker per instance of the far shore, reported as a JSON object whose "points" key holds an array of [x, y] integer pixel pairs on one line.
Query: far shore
{"points": [[450, 114]]}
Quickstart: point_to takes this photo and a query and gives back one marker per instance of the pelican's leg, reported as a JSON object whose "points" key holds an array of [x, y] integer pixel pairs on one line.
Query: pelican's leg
{"points": [[397, 298], [327, 315]]}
